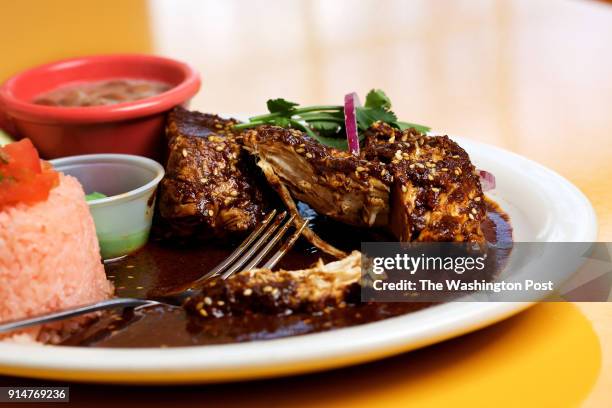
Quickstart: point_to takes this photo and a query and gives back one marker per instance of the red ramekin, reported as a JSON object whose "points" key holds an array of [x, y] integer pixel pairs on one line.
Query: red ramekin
{"points": [[131, 127]]}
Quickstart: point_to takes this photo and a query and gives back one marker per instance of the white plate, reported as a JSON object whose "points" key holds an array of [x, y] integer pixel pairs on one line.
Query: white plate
{"points": [[542, 205]]}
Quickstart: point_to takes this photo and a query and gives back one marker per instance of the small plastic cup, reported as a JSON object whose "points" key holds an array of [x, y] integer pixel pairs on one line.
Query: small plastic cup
{"points": [[123, 218]]}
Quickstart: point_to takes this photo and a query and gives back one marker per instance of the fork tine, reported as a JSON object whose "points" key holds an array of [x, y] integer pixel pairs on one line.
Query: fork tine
{"points": [[285, 247], [255, 247], [257, 258], [239, 250]]}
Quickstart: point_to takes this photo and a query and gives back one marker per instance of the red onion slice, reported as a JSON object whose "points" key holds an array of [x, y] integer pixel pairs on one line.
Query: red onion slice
{"points": [[487, 180], [351, 102]]}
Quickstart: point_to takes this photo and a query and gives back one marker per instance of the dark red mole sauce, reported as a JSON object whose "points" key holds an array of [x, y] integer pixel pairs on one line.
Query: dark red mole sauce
{"points": [[160, 267]]}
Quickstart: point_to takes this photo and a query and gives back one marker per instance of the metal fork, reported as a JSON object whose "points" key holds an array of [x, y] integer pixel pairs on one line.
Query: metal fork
{"points": [[245, 257]]}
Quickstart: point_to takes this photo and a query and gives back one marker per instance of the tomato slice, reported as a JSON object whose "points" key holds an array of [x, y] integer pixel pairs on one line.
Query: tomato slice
{"points": [[23, 178], [20, 155]]}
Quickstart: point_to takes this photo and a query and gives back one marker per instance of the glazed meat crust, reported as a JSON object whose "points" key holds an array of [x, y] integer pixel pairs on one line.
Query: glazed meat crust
{"points": [[422, 188], [208, 190], [436, 192]]}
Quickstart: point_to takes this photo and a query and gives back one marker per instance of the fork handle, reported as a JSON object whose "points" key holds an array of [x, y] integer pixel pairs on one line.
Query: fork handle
{"points": [[73, 312]]}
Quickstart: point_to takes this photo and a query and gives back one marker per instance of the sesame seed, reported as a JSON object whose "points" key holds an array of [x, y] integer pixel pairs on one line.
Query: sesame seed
{"points": [[383, 172], [234, 193], [430, 177], [455, 156], [248, 292], [398, 154], [477, 199], [305, 185], [299, 150], [203, 312], [420, 165], [129, 266], [184, 152], [219, 148], [435, 189], [220, 303], [210, 213], [267, 289], [359, 168], [208, 300], [139, 287], [471, 216], [392, 139], [411, 166], [474, 211], [404, 189], [309, 155], [130, 277], [444, 168]]}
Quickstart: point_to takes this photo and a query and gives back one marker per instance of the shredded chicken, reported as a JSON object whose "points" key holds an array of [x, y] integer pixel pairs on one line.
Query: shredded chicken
{"points": [[285, 196], [209, 189], [281, 292], [335, 183], [436, 193], [419, 187]]}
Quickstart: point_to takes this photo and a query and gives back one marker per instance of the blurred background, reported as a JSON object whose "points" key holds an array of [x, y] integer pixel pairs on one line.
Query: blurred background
{"points": [[532, 76]]}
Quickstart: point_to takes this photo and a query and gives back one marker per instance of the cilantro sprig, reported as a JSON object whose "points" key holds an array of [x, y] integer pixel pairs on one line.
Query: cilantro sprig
{"points": [[325, 123]]}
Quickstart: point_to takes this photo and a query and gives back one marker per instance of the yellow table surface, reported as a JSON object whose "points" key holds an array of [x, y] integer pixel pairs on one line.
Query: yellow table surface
{"points": [[534, 77]]}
